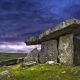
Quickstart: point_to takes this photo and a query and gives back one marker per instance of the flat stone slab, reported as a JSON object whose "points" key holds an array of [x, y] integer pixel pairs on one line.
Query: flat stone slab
{"points": [[66, 27]]}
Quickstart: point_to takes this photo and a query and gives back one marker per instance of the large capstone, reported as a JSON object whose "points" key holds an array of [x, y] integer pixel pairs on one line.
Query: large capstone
{"points": [[32, 56], [49, 51], [66, 49], [71, 26]]}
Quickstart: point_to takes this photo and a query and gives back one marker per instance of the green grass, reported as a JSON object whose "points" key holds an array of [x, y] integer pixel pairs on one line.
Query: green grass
{"points": [[8, 56], [43, 72]]}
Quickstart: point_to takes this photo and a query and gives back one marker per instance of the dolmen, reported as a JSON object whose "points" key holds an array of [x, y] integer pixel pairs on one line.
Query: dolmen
{"points": [[60, 43]]}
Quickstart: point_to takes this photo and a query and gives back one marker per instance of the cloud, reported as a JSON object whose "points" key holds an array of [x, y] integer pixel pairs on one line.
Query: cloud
{"points": [[20, 19], [17, 47]]}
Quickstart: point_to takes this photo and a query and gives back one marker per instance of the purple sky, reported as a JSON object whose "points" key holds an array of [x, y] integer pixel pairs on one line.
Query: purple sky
{"points": [[20, 19]]}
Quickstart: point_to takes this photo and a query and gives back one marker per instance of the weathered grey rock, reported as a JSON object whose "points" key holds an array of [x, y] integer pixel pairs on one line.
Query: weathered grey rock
{"points": [[60, 26], [58, 43], [69, 50], [50, 62], [66, 49], [28, 64], [31, 39], [68, 26], [49, 51], [32, 56], [19, 60], [4, 73]]}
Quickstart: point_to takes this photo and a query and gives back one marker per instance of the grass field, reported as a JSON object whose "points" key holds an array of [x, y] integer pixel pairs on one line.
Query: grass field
{"points": [[8, 56], [38, 72], [42, 72]]}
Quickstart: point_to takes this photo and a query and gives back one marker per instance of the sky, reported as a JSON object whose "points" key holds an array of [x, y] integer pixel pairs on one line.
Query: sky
{"points": [[20, 19]]}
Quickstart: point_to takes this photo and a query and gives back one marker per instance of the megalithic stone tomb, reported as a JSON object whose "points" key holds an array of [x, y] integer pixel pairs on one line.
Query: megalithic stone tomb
{"points": [[59, 43]]}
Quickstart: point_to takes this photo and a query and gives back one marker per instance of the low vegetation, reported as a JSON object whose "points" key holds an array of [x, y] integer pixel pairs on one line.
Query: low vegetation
{"points": [[42, 72], [8, 56]]}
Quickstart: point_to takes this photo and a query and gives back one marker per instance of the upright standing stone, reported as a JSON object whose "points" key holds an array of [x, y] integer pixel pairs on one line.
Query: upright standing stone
{"points": [[49, 51], [32, 56], [66, 49]]}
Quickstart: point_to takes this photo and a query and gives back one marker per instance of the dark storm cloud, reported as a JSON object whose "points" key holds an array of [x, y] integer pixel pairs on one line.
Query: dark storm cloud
{"points": [[20, 19]]}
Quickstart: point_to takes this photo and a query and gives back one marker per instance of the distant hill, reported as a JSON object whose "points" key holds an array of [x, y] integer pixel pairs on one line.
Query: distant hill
{"points": [[8, 56]]}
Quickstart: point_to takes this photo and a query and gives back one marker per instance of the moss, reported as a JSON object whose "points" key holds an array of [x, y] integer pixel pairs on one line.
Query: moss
{"points": [[43, 72]]}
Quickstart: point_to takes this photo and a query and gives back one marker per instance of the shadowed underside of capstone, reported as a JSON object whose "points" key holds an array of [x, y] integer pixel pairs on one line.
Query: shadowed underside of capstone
{"points": [[66, 27]]}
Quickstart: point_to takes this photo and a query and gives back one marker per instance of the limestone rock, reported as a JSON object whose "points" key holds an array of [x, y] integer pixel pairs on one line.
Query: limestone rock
{"points": [[50, 62], [4, 73], [32, 56], [66, 49], [49, 51], [60, 26], [67, 26], [31, 39], [28, 64]]}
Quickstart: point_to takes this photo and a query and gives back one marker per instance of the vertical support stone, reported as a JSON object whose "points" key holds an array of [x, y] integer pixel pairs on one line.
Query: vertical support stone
{"points": [[49, 51], [32, 56], [76, 51], [66, 49]]}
